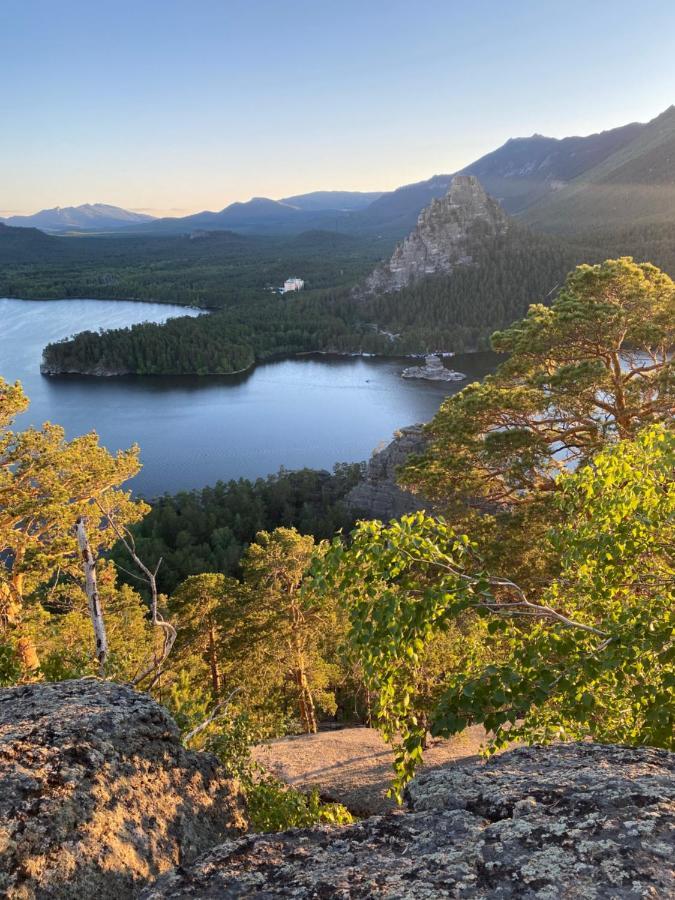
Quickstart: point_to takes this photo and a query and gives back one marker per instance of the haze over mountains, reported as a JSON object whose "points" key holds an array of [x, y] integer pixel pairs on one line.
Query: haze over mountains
{"points": [[624, 175], [609, 179], [89, 216], [257, 214], [618, 177]]}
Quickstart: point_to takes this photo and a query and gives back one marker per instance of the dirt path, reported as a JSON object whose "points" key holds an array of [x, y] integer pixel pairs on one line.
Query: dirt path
{"points": [[353, 765]]}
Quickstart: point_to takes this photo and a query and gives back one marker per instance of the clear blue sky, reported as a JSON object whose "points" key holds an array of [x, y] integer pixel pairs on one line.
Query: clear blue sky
{"points": [[190, 104]]}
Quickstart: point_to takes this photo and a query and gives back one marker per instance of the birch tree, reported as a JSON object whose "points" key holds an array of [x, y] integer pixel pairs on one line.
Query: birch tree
{"points": [[47, 485]]}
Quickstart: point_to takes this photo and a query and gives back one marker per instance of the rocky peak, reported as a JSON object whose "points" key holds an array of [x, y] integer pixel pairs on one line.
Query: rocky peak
{"points": [[443, 238]]}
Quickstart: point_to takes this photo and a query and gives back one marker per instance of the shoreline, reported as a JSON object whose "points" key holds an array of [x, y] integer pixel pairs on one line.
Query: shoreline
{"points": [[258, 362], [201, 309]]}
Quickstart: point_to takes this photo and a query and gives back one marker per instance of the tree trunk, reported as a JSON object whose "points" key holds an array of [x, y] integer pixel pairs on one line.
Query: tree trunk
{"points": [[30, 661], [91, 590], [213, 663], [305, 700]]}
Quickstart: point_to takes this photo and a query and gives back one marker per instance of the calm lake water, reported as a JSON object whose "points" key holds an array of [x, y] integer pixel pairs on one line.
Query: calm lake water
{"points": [[307, 411]]}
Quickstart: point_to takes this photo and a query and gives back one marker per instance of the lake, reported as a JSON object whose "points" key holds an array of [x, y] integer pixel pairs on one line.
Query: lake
{"points": [[306, 411]]}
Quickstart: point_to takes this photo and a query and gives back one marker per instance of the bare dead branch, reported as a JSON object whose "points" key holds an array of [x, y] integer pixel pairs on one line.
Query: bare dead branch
{"points": [[218, 710], [154, 668], [91, 590]]}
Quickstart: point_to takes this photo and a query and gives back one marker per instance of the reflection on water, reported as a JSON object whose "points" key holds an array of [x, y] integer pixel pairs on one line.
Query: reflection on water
{"points": [[308, 411]]}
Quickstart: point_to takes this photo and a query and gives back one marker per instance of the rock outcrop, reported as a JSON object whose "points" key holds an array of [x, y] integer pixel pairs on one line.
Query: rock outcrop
{"points": [[569, 821], [97, 794], [433, 370], [442, 238], [377, 495]]}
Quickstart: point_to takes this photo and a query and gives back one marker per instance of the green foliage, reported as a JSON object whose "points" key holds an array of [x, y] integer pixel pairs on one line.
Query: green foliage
{"points": [[208, 530], [10, 664], [271, 805], [46, 484], [292, 629], [209, 269], [268, 638], [453, 312], [592, 367], [461, 310], [404, 587], [592, 658]]}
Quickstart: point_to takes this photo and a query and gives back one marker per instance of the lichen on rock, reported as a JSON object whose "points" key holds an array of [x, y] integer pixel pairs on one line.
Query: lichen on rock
{"points": [[97, 794], [568, 821]]}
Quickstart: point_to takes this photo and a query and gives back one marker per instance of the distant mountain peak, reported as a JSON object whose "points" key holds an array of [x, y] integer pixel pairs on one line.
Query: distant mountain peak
{"points": [[91, 216]]}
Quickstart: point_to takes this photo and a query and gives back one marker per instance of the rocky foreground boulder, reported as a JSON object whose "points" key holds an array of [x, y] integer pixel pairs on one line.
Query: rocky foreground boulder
{"points": [[570, 821], [97, 794]]}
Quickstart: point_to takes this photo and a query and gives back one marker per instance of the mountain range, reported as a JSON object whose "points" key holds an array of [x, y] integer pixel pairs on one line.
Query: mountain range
{"points": [[257, 215], [614, 178], [624, 176]]}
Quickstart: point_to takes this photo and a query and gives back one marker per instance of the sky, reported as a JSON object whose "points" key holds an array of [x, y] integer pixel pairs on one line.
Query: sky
{"points": [[174, 106]]}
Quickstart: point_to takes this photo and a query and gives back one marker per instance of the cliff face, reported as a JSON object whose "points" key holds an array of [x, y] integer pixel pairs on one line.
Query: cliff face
{"points": [[378, 496], [442, 238], [572, 820], [97, 794]]}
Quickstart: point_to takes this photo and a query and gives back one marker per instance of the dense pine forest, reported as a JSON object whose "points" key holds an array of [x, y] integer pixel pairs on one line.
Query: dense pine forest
{"points": [[456, 312], [208, 530], [206, 269]]}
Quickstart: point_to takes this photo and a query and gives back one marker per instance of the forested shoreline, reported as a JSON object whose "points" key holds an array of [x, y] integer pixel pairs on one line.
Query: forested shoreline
{"points": [[449, 313], [456, 313]]}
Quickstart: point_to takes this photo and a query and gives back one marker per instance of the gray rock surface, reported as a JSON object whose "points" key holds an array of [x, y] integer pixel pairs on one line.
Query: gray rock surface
{"points": [[433, 370], [570, 821], [442, 238], [378, 495], [97, 794]]}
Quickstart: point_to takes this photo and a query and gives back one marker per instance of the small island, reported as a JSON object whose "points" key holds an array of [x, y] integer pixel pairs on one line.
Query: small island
{"points": [[433, 370]]}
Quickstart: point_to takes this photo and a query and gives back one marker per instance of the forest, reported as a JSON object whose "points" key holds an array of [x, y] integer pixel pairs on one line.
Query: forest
{"points": [[539, 604], [456, 312], [204, 269]]}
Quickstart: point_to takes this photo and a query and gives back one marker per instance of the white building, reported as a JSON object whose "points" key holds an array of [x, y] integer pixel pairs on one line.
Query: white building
{"points": [[292, 284]]}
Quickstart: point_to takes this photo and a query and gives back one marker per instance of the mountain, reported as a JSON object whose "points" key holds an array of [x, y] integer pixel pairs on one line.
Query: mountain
{"points": [[257, 216], [616, 177], [634, 185], [260, 215], [524, 170], [89, 216], [443, 237], [321, 201], [466, 269]]}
